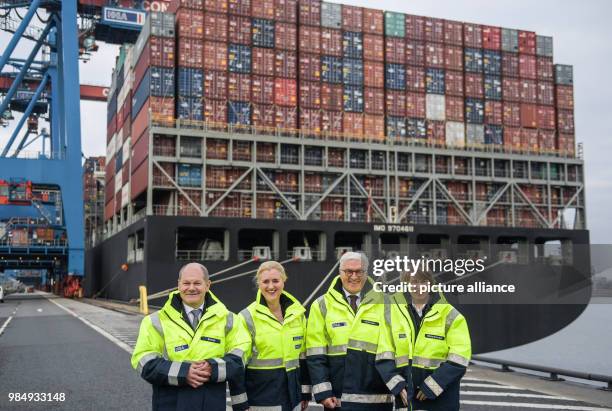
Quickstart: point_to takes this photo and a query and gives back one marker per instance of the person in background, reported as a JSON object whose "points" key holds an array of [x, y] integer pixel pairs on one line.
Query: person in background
{"points": [[276, 373]]}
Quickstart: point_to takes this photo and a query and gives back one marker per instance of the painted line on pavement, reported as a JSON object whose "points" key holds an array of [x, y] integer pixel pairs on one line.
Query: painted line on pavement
{"points": [[516, 394], [8, 320], [525, 405]]}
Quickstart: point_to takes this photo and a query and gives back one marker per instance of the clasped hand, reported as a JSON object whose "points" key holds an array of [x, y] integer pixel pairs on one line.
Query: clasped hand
{"points": [[199, 373]]}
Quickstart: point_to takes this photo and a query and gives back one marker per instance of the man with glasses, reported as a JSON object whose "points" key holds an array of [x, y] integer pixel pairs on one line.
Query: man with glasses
{"points": [[346, 335]]}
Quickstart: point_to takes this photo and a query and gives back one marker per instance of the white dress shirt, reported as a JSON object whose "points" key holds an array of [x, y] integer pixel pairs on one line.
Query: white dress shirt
{"points": [[189, 309], [346, 294]]}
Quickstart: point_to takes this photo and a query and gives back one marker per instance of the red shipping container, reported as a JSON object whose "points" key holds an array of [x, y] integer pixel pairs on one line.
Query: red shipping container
{"points": [[285, 92], [395, 50], [529, 139], [453, 58], [285, 64], [373, 74], [215, 84], [546, 117], [189, 23], [263, 9], [218, 6], [264, 115], [453, 32], [190, 52], [527, 42], [239, 7], [512, 138], [415, 105], [215, 111], [436, 132], [109, 171], [331, 122], [285, 36], [453, 82], [125, 171], [373, 47], [565, 120], [434, 55], [546, 93], [310, 94], [529, 91], [118, 201], [544, 68], [310, 12], [395, 102], [415, 27], [139, 181], [215, 55], [310, 39], [415, 78], [566, 144], [512, 114], [286, 118], [491, 37], [285, 10], [310, 120], [239, 87], [527, 66], [529, 116], [262, 89], [454, 109], [493, 112], [511, 89], [352, 124], [374, 100], [332, 96], [109, 209], [373, 21], [310, 67], [415, 53], [215, 26], [510, 64], [239, 30], [474, 86], [546, 140], [565, 97], [160, 52], [374, 126], [161, 111], [434, 30], [352, 18], [472, 35], [331, 42], [263, 61]]}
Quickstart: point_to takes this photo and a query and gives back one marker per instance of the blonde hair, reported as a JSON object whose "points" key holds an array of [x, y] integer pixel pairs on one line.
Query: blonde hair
{"points": [[418, 277], [270, 265]]}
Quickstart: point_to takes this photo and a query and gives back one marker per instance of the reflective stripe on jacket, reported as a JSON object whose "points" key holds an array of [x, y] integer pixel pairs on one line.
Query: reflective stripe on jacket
{"points": [[167, 344]]}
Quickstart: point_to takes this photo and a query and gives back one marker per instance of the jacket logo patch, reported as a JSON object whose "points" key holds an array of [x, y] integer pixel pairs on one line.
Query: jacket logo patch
{"points": [[339, 324], [181, 347], [369, 322], [401, 336], [210, 339], [435, 337], [298, 346], [298, 337]]}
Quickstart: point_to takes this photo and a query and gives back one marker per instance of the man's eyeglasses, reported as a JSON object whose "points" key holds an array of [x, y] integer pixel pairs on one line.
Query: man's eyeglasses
{"points": [[356, 273]]}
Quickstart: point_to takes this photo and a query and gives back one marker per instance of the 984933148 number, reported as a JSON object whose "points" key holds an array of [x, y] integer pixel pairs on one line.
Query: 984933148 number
{"points": [[37, 396]]}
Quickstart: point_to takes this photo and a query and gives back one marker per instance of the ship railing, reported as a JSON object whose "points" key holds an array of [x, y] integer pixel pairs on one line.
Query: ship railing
{"points": [[553, 373], [317, 255], [200, 255], [164, 151], [32, 243], [244, 255]]}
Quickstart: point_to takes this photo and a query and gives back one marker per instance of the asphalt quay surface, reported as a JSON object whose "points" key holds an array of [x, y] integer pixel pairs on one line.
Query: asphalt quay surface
{"points": [[57, 345]]}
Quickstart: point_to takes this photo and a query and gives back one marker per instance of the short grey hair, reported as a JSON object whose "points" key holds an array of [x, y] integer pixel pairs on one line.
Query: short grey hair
{"points": [[200, 266], [353, 255]]}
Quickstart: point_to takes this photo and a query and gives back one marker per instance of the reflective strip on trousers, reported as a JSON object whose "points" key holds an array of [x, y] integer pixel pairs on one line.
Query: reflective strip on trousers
{"points": [[239, 399], [402, 360], [321, 387], [306, 389], [426, 362], [175, 368], [144, 360], [458, 359], [272, 362], [362, 345], [433, 386], [221, 369], [368, 398], [392, 383], [266, 408]]}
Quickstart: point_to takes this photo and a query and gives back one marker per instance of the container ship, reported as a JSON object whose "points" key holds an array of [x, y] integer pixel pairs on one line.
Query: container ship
{"points": [[240, 131]]}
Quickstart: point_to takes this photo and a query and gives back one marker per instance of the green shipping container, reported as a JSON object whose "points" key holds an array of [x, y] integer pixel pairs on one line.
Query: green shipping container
{"points": [[395, 24]]}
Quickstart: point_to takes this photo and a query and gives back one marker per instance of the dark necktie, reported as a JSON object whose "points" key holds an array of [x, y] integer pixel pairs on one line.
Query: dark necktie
{"points": [[353, 302]]}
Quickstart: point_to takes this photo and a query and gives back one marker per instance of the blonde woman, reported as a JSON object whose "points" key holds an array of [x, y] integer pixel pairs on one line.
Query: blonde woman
{"points": [[277, 326]]}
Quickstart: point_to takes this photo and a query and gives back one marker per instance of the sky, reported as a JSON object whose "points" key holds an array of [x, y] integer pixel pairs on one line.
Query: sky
{"points": [[582, 38]]}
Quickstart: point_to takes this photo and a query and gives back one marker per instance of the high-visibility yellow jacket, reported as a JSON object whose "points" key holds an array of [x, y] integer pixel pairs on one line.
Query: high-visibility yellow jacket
{"points": [[441, 350], [349, 354], [167, 345], [276, 372]]}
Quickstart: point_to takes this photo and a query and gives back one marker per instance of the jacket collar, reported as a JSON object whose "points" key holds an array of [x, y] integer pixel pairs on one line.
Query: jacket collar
{"points": [[289, 305], [174, 306]]}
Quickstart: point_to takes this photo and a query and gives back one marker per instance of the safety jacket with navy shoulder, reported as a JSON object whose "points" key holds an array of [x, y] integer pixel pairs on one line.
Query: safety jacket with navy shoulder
{"points": [[441, 350], [349, 354], [167, 345], [276, 372]]}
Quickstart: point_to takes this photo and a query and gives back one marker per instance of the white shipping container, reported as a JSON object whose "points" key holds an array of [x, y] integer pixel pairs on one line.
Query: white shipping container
{"points": [[110, 148], [118, 145], [126, 150], [129, 53], [455, 134], [125, 195], [435, 105], [331, 15], [474, 134], [118, 181]]}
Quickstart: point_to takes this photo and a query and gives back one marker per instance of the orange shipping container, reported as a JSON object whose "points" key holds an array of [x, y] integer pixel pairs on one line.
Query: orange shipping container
{"points": [[374, 126], [374, 100], [529, 116], [374, 74], [215, 55], [353, 124], [215, 26], [373, 47], [373, 21], [285, 92]]}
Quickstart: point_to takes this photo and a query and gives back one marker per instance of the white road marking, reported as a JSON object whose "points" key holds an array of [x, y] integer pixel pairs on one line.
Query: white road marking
{"points": [[497, 386], [8, 320], [514, 394], [39, 310], [525, 405]]}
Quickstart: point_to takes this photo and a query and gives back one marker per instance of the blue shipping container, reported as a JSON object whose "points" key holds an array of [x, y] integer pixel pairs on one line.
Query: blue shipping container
{"points": [[474, 111], [239, 57], [473, 60], [189, 108], [493, 87], [395, 76], [157, 81], [442, 215], [111, 108], [120, 79], [494, 134], [263, 33], [396, 126], [434, 80], [331, 69], [190, 82], [491, 62], [352, 72], [416, 128], [239, 113], [189, 175], [352, 44], [118, 161], [353, 99]]}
